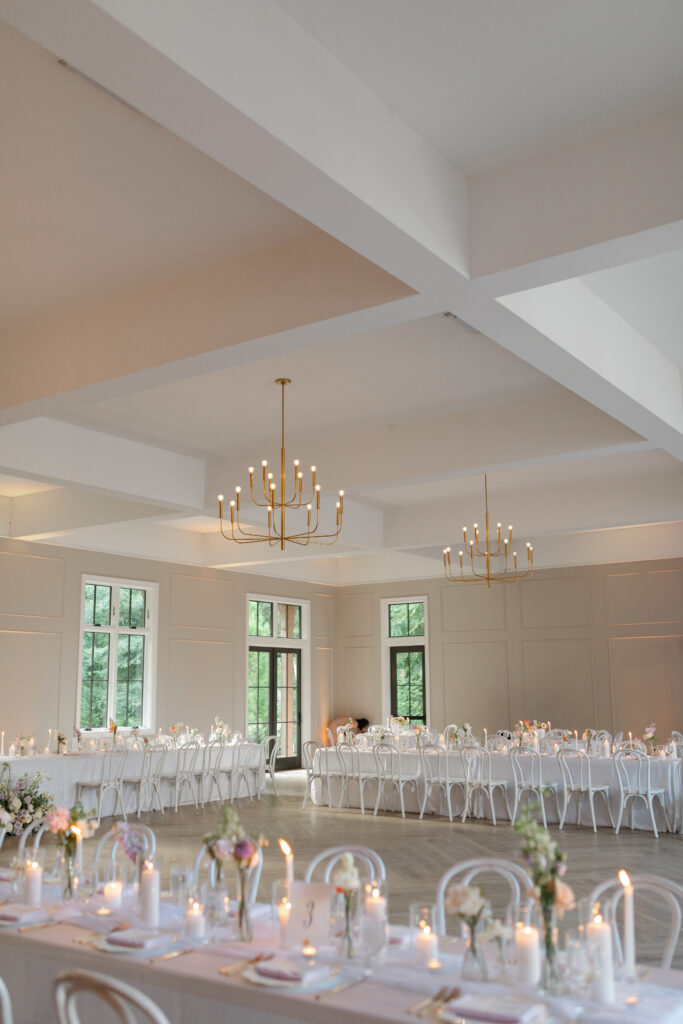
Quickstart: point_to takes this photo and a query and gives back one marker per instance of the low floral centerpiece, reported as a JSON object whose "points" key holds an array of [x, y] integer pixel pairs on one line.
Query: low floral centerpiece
{"points": [[21, 802], [70, 826], [229, 841], [547, 865], [650, 738]]}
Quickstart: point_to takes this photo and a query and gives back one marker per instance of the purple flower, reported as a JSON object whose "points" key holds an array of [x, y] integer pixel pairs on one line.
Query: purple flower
{"points": [[561, 869], [244, 850]]}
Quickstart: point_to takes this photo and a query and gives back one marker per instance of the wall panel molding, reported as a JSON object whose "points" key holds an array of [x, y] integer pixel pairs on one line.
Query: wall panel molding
{"points": [[201, 602], [31, 586]]}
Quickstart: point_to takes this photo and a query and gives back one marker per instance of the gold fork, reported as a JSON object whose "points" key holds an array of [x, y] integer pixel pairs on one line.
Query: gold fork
{"points": [[242, 965], [439, 1000], [424, 1003]]}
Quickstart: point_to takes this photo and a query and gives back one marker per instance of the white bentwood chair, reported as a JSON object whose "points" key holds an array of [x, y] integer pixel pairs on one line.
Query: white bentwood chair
{"points": [[209, 773], [442, 771], [519, 882], [185, 773], [5, 1004], [575, 768], [392, 775], [114, 836], [481, 782], [527, 776], [112, 776], [352, 771], [670, 892], [126, 1002], [328, 859], [313, 774], [148, 782], [635, 783], [271, 749]]}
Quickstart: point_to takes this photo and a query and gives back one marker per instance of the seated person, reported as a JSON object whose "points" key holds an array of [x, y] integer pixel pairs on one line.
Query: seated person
{"points": [[355, 725]]}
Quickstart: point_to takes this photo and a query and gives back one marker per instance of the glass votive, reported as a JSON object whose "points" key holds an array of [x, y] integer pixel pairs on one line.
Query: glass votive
{"points": [[424, 931], [215, 902], [195, 920], [281, 908], [375, 921], [183, 883]]}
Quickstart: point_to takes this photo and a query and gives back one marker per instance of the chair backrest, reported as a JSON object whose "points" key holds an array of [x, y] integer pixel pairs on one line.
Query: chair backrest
{"points": [[387, 760], [478, 765], [518, 880], [309, 748], [349, 759], [36, 829], [155, 759], [253, 876], [122, 999], [526, 767], [212, 754], [677, 737], [602, 734], [433, 763], [5, 1004], [612, 892], [141, 835], [617, 739], [332, 739], [271, 748], [371, 861], [632, 745], [575, 769], [187, 758], [633, 770]]}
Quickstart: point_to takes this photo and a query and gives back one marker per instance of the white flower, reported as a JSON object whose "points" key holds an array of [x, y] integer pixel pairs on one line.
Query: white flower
{"points": [[16, 803], [346, 878], [564, 898], [496, 931], [464, 900], [5, 817]]}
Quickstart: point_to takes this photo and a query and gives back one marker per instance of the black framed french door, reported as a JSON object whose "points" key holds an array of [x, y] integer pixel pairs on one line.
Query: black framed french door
{"points": [[274, 700], [408, 697]]}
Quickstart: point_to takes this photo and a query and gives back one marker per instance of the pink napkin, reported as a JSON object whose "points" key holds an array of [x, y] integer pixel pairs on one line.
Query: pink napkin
{"points": [[498, 1009], [138, 938], [284, 970], [21, 912]]}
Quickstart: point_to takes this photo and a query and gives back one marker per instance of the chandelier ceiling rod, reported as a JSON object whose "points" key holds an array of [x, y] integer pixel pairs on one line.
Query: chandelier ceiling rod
{"points": [[277, 535]]}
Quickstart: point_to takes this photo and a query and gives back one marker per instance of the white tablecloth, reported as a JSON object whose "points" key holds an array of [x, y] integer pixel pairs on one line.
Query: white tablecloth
{"points": [[190, 989], [64, 771], [664, 774]]}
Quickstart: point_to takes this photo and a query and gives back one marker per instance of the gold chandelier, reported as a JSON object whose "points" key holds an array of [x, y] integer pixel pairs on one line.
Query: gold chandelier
{"points": [[483, 562], [278, 505]]}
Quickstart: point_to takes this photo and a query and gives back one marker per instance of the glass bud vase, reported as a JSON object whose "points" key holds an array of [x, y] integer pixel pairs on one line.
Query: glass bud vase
{"points": [[473, 962], [67, 872], [244, 925], [346, 926], [551, 983]]}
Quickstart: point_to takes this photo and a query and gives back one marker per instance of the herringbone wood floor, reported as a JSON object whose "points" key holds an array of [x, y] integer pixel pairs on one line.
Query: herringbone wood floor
{"points": [[417, 852]]}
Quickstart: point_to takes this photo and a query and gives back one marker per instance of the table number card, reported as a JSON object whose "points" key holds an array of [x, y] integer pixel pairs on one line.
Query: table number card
{"points": [[309, 917]]}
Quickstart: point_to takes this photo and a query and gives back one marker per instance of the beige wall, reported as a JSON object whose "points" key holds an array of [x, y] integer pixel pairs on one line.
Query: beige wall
{"points": [[601, 645], [201, 663], [584, 647]]}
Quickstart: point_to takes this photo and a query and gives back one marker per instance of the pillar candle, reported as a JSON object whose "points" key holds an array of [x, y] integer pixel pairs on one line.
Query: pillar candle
{"points": [[629, 928], [599, 934], [426, 945], [527, 942], [195, 922], [149, 895], [289, 859], [284, 909], [33, 883], [113, 895], [376, 905]]}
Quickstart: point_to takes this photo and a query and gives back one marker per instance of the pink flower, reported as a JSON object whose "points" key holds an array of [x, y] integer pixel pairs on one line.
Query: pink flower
{"points": [[222, 849], [561, 869], [244, 849], [58, 819]]}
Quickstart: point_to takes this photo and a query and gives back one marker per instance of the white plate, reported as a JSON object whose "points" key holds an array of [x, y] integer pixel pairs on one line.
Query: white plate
{"points": [[100, 942], [333, 978]]}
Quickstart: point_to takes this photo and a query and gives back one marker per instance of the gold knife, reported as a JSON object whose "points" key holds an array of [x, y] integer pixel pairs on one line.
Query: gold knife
{"points": [[343, 985], [173, 952], [41, 924]]}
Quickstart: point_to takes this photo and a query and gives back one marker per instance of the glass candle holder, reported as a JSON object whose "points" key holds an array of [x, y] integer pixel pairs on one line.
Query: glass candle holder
{"points": [[375, 921], [281, 908], [424, 932]]}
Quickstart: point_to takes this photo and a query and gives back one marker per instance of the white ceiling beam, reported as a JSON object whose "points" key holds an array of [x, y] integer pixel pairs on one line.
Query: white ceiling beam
{"points": [[60, 453], [63, 510]]}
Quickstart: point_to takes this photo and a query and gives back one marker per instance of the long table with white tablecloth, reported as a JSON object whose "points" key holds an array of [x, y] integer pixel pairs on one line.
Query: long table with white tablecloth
{"points": [[665, 774], [65, 771]]}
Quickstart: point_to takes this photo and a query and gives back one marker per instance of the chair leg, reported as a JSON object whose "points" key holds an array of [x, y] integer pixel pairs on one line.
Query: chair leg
{"points": [[380, 787], [591, 800], [272, 775], [622, 804], [515, 807], [578, 807], [545, 820], [651, 808], [565, 805], [493, 809]]}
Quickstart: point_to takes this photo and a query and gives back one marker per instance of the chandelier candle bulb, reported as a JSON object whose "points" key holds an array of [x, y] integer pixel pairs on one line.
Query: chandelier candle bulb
{"points": [[528, 955], [629, 928], [33, 883], [150, 888], [195, 922]]}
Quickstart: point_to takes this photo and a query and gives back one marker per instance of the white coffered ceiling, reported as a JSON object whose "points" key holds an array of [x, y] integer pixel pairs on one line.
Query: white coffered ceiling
{"points": [[305, 189]]}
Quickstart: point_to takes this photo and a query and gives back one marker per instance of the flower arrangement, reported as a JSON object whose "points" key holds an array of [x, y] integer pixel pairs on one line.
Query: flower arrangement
{"points": [[61, 742], [132, 842], [468, 904], [221, 728], [23, 745], [229, 841], [650, 738], [346, 881], [587, 735], [113, 727], [69, 826], [21, 802], [547, 865]]}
